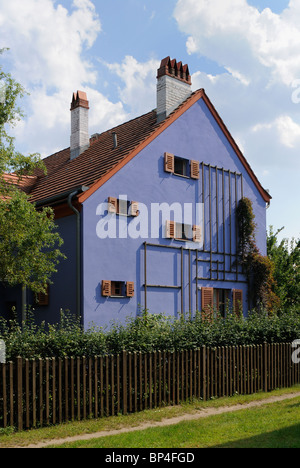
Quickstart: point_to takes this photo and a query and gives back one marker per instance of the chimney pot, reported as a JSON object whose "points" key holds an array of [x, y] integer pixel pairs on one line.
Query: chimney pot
{"points": [[173, 86]]}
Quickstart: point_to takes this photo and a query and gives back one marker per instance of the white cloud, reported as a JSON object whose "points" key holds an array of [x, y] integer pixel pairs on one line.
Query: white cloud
{"points": [[257, 93], [238, 36], [288, 131], [259, 51], [47, 45], [139, 90]]}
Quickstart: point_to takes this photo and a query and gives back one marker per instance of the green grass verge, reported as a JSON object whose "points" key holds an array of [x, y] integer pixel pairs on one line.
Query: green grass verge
{"points": [[275, 425], [9, 438]]}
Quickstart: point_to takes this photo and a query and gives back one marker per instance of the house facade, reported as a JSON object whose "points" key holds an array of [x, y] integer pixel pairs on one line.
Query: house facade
{"points": [[147, 211]]}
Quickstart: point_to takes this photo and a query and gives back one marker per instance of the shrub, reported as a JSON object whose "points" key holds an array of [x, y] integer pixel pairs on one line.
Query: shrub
{"points": [[147, 333]]}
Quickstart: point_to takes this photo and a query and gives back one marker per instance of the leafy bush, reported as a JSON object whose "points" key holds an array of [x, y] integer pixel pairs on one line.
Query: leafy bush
{"points": [[146, 333]]}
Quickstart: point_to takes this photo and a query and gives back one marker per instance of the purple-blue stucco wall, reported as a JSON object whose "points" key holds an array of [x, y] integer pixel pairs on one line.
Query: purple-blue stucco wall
{"points": [[195, 136]]}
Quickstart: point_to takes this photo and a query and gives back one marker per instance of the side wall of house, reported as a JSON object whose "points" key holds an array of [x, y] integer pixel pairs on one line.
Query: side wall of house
{"points": [[175, 275], [62, 293]]}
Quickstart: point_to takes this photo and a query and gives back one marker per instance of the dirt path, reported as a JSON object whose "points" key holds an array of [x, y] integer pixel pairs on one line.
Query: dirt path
{"points": [[168, 422]]}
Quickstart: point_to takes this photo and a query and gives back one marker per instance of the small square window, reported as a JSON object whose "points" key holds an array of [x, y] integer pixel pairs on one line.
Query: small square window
{"points": [[123, 207], [184, 232], [181, 166], [118, 289]]}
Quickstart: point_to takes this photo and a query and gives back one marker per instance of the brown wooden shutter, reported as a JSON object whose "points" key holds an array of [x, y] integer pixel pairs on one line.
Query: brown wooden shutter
{"points": [[237, 300], [170, 230], [42, 299], [130, 289], [195, 170], [106, 288], [197, 234], [169, 162], [134, 209], [207, 296], [112, 205]]}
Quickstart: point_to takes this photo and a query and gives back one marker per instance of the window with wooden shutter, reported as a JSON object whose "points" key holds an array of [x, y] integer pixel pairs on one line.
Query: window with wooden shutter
{"points": [[207, 298], [169, 162], [112, 205], [197, 237], [170, 229], [237, 300], [130, 289], [195, 169], [42, 299], [106, 288], [134, 209]]}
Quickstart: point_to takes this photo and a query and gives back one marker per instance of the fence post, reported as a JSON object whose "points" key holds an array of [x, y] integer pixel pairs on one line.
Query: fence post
{"points": [[204, 372], [124, 382], [265, 370], [20, 392]]}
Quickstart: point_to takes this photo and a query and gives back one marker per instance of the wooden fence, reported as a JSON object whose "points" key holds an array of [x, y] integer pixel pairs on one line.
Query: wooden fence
{"points": [[35, 393]]}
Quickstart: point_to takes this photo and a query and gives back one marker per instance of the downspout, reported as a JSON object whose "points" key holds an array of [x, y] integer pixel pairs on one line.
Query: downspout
{"points": [[78, 251], [24, 305]]}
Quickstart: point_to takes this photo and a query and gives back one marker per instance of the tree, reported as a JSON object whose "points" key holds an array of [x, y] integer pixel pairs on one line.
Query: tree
{"points": [[259, 269], [29, 243], [286, 258]]}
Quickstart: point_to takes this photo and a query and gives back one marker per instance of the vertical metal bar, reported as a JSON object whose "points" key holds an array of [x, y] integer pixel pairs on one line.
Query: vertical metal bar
{"points": [[236, 228], [210, 222], [224, 224], [181, 280], [230, 221], [203, 201], [145, 266], [217, 210], [242, 186], [197, 302], [190, 286]]}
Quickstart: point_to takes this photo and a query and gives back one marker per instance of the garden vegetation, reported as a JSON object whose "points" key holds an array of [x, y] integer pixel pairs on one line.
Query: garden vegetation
{"points": [[146, 333]]}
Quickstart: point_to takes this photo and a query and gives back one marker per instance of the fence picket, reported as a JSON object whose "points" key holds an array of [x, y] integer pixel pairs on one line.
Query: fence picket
{"points": [[37, 392]]}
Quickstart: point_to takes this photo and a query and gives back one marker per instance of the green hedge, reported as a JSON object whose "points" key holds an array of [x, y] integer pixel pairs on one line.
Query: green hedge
{"points": [[146, 333]]}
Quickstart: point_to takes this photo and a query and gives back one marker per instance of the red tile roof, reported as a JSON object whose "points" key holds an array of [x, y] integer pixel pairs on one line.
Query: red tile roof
{"points": [[101, 160]]}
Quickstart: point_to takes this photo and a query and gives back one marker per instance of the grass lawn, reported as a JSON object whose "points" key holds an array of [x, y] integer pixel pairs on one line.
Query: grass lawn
{"points": [[272, 426]]}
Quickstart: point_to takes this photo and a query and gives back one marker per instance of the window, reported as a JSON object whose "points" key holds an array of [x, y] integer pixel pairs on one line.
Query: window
{"points": [[221, 301], [42, 299], [117, 289], [217, 300], [183, 232], [182, 167], [123, 207]]}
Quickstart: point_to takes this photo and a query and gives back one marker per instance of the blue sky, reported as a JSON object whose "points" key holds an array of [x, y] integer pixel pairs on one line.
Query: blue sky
{"points": [[245, 53]]}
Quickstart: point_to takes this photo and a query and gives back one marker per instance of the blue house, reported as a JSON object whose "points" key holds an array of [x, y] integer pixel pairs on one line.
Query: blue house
{"points": [[147, 211]]}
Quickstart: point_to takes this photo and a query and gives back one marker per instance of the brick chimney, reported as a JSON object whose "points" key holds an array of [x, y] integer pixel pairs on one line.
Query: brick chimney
{"points": [[173, 86], [80, 139]]}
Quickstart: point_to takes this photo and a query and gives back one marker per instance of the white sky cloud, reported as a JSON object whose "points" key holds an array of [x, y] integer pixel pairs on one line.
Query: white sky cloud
{"points": [[47, 45], [139, 90], [257, 51]]}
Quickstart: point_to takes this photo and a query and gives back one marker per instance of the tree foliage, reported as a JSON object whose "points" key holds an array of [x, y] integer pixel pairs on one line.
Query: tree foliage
{"points": [[29, 244], [285, 256], [259, 269]]}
